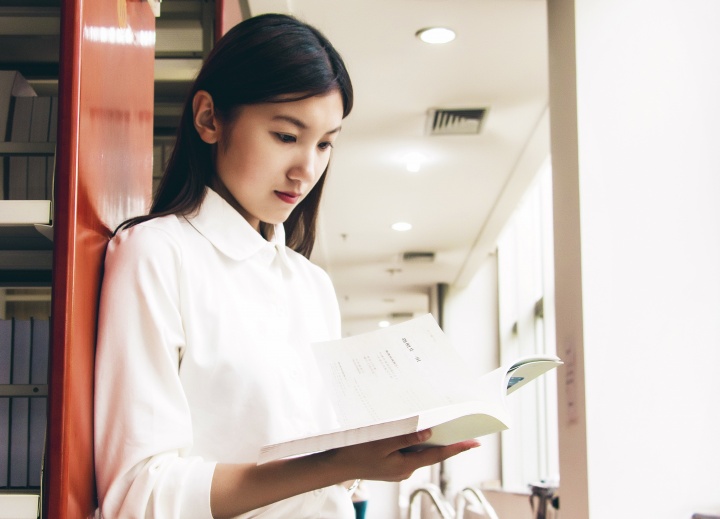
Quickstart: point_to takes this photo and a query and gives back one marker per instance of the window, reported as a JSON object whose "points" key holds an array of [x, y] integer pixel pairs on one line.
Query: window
{"points": [[526, 327]]}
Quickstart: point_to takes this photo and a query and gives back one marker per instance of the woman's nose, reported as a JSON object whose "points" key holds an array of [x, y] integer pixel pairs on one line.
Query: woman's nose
{"points": [[305, 166]]}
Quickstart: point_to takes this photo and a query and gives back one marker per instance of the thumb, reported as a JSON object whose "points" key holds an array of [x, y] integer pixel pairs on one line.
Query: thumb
{"points": [[412, 441]]}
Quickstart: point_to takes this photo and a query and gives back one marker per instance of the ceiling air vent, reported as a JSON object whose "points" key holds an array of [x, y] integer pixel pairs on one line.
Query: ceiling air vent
{"points": [[426, 257], [461, 121], [401, 315]]}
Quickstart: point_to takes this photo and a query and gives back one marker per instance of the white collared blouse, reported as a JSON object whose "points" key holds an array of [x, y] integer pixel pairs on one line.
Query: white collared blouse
{"points": [[203, 357]]}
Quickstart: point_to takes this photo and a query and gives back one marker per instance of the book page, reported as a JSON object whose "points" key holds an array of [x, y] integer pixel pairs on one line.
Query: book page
{"points": [[412, 361], [406, 378], [527, 369], [338, 438]]}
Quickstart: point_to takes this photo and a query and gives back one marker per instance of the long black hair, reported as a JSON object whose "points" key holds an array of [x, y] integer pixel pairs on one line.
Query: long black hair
{"points": [[267, 58]]}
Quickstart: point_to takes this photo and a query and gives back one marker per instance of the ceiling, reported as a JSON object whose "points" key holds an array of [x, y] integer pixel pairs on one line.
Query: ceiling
{"points": [[467, 185]]}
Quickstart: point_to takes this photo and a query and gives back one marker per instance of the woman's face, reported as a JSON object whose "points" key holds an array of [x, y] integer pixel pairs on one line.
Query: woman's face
{"points": [[273, 154]]}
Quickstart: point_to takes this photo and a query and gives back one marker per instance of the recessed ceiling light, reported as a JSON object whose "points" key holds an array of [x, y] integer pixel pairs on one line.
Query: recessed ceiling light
{"points": [[401, 226], [384, 324], [436, 35], [413, 161]]}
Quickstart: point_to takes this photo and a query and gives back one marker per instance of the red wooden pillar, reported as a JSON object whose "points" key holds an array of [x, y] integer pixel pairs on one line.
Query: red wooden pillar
{"points": [[227, 14], [103, 175]]}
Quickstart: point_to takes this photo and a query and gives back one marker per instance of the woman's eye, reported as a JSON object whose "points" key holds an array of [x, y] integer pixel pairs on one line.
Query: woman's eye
{"points": [[325, 145], [286, 138]]}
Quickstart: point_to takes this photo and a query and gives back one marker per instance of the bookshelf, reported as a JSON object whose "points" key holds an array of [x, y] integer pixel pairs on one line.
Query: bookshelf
{"points": [[102, 174], [28, 122], [51, 250], [24, 356], [27, 150]]}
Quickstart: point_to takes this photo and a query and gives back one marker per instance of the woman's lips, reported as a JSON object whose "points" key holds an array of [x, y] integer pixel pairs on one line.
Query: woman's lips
{"points": [[288, 198]]}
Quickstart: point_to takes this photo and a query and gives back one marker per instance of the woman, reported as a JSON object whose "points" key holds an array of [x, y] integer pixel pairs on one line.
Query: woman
{"points": [[209, 303]]}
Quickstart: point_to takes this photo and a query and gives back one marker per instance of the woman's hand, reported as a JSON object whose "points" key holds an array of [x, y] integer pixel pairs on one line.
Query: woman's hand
{"points": [[237, 489], [393, 459]]}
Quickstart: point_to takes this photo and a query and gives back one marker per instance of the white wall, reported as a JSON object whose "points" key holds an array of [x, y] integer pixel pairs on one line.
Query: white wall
{"points": [[635, 105], [637, 204], [470, 320]]}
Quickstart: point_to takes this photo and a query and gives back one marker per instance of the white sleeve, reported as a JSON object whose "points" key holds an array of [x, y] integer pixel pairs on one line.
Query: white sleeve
{"points": [[143, 428]]}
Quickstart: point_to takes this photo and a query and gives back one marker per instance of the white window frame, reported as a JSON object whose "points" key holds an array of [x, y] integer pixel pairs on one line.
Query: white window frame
{"points": [[529, 449]]}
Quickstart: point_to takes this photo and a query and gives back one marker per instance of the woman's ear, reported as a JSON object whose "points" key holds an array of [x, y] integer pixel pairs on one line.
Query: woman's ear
{"points": [[204, 117]]}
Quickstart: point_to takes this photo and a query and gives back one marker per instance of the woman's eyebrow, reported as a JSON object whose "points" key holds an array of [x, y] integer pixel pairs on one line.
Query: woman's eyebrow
{"points": [[297, 122]]}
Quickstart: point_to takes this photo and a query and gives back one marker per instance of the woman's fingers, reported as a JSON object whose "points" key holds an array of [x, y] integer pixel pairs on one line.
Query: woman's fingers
{"points": [[395, 459], [433, 454], [409, 441], [413, 442]]}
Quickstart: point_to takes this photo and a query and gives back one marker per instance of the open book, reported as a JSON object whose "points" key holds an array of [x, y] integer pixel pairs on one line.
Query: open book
{"points": [[406, 378]]}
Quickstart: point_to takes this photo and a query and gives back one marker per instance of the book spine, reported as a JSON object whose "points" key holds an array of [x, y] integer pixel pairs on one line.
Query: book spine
{"points": [[39, 132], [12, 84], [20, 406], [39, 362], [5, 362], [50, 161], [7, 79], [18, 166]]}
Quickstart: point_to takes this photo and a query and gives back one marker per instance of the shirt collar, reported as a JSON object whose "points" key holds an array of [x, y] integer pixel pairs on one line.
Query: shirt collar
{"points": [[230, 233]]}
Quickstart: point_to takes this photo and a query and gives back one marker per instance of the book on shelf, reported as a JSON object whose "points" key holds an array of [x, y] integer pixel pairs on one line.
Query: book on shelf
{"points": [[24, 362], [407, 378], [50, 161], [20, 406], [37, 164], [12, 84], [20, 132], [5, 361], [39, 359], [26, 117]]}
